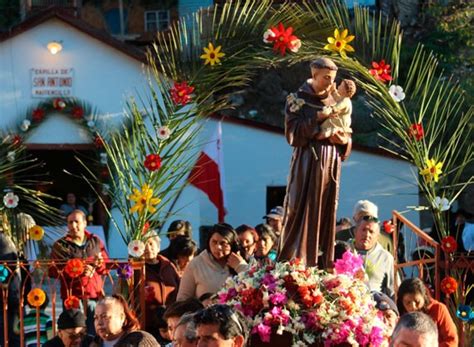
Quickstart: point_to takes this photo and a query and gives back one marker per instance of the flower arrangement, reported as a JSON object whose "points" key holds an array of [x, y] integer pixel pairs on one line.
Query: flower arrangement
{"points": [[310, 304], [36, 297]]}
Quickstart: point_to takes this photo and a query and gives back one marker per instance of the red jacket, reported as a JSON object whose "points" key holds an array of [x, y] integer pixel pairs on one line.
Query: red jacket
{"points": [[90, 287], [448, 335]]}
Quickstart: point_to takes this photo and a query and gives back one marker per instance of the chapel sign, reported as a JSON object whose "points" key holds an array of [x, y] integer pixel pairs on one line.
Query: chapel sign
{"points": [[51, 82]]}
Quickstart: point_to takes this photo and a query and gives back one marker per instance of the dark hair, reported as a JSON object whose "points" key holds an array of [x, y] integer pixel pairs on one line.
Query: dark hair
{"points": [[264, 231], [131, 321], [182, 246], [419, 322], [180, 226], [178, 308], [412, 286], [244, 227], [206, 296], [160, 321], [227, 232], [340, 248], [230, 321]]}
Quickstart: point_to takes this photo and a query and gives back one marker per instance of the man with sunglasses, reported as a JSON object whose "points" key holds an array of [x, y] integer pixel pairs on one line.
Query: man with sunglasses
{"points": [[71, 330], [378, 262]]}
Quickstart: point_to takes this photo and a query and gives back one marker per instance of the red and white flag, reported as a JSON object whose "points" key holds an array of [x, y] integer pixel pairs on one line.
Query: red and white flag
{"points": [[208, 172]]}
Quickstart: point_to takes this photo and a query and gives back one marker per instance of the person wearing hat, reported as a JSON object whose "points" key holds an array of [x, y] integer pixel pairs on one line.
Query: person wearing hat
{"points": [[378, 262], [177, 228], [275, 219], [389, 310], [71, 330]]}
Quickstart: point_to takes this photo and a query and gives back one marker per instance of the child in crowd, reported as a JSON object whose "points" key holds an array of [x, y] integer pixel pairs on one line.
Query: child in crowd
{"points": [[29, 324]]}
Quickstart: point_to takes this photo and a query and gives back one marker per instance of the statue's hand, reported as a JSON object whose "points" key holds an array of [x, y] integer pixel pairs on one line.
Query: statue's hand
{"points": [[339, 138]]}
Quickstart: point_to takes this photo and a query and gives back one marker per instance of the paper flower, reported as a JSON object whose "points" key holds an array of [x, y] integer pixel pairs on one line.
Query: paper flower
{"points": [[72, 302], [163, 133], [91, 124], [125, 271], [388, 226], [349, 265], [10, 200], [77, 112], [339, 43], [464, 313], [441, 204], [36, 297], [432, 170], [3, 273], [416, 131], [181, 93], [36, 233], [105, 189], [136, 248], [212, 55], [396, 92], [59, 104], [98, 141], [17, 140], [449, 244], [103, 158], [11, 156], [25, 125], [37, 115], [381, 71], [74, 267], [449, 285], [282, 39], [152, 162], [144, 200]]}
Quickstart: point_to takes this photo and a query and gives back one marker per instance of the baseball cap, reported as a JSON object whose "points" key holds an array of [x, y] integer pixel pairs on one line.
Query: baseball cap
{"points": [[275, 213], [365, 208], [71, 319], [383, 302]]}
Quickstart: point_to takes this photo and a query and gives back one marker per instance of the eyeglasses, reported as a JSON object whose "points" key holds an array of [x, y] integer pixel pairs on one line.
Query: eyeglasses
{"points": [[73, 336], [370, 219]]}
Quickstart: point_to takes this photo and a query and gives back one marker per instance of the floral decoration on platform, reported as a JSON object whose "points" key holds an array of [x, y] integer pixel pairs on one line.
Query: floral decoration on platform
{"points": [[381, 71], [74, 267], [136, 248], [441, 204], [36, 233], [449, 244], [416, 131], [36, 297], [125, 271], [396, 92], [432, 170], [212, 56], [310, 304], [10, 200], [340, 43], [72, 302], [449, 285], [181, 93], [144, 200], [465, 313], [282, 39], [3, 273], [152, 162]]}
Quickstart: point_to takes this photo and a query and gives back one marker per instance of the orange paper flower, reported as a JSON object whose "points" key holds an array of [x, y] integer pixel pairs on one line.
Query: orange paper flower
{"points": [[36, 297], [72, 302], [449, 285], [74, 267], [36, 233]]}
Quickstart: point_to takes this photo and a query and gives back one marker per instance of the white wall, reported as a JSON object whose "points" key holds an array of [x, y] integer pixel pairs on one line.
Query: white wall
{"points": [[256, 158], [103, 76]]}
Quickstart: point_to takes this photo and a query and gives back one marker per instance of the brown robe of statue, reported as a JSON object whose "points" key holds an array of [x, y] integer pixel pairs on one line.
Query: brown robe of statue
{"points": [[313, 184]]}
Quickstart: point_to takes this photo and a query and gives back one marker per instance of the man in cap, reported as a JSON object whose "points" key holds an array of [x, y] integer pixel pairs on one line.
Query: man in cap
{"points": [[389, 310], [71, 330], [378, 262], [275, 219]]}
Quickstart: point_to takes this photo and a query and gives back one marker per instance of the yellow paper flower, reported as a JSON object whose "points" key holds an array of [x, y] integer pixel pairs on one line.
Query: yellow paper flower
{"points": [[36, 233], [212, 55], [144, 200], [339, 43], [432, 170]]}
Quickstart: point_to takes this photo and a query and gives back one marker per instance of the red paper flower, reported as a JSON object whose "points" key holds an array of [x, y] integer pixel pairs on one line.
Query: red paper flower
{"points": [[282, 39], [37, 115], [16, 140], [72, 302], [99, 141], [74, 267], [104, 173], [388, 226], [181, 93], [449, 244], [77, 112], [59, 104], [449, 285], [146, 227], [152, 162], [381, 71], [416, 131]]}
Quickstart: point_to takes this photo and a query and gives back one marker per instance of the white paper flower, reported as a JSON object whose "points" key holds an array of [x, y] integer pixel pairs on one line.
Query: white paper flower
{"points": [[295, 45], [441, 204], [103, 158], [11, 156], [10, 200], [267, 34], [25, 125], [91, 124], [163, 133], [105, 189], [136, 248], [396, 92]]}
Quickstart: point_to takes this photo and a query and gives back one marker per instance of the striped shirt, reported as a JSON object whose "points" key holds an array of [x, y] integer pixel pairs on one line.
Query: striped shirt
{"points": [[45, 325]]}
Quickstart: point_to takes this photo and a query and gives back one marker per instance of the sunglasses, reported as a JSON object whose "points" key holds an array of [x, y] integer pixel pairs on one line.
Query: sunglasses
{"points": [[370, 219]]}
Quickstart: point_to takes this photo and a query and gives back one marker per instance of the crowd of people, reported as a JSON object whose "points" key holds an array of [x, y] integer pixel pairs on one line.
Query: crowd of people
{"points": [[181, 284]]}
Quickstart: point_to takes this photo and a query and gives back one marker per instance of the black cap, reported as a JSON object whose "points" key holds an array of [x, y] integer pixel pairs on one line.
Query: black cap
{"points": [[384, 303], [71, 319]]}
